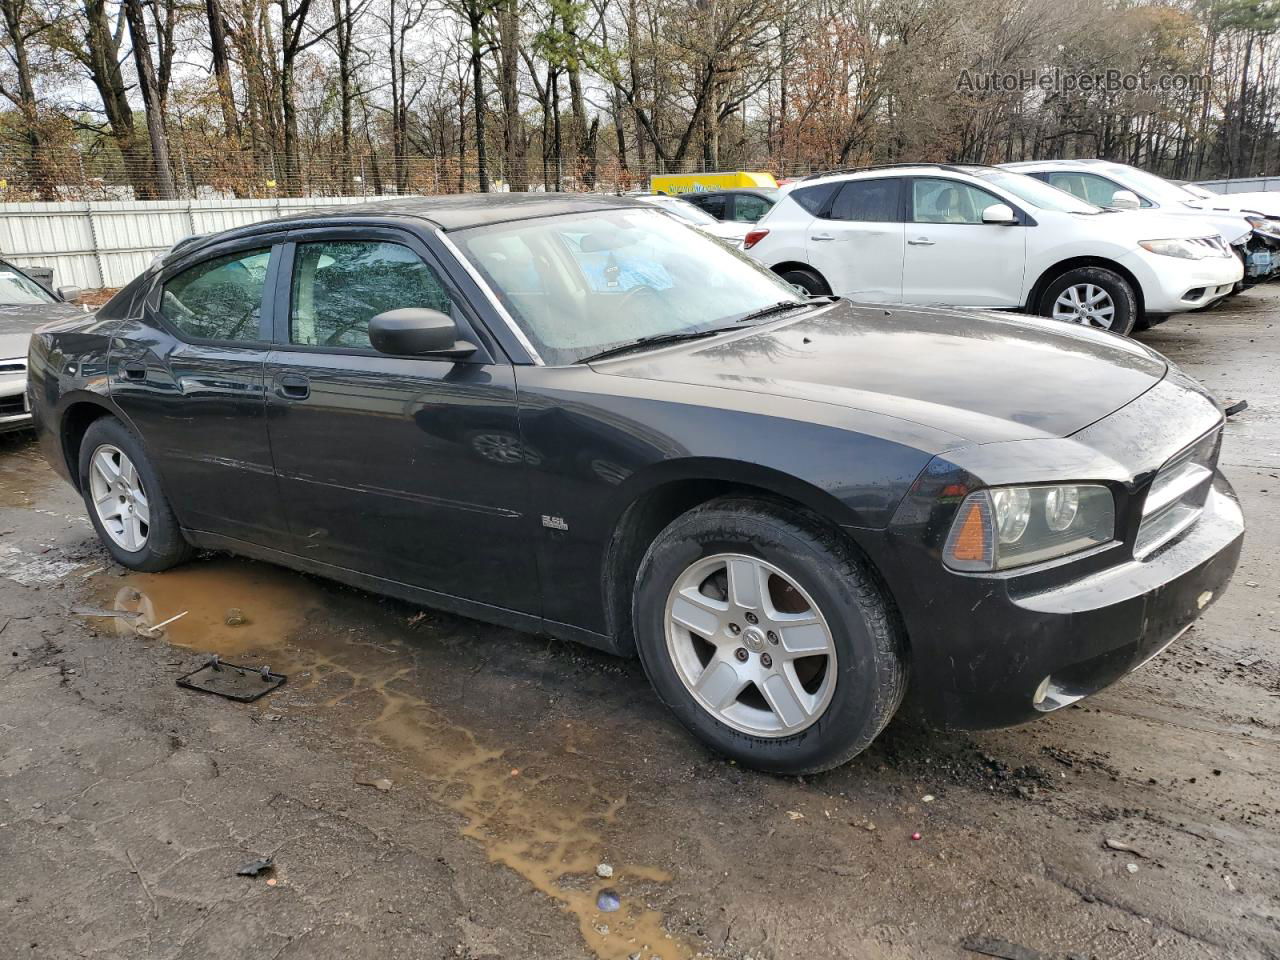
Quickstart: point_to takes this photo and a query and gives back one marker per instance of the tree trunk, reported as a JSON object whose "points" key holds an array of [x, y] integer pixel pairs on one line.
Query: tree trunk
{"points": [[222, 67], [477, 82], [101, 55], [509, 78], [148, 87]]}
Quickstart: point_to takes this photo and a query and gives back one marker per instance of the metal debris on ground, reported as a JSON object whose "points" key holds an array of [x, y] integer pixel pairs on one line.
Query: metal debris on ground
{"points": [[1123, 847], [382, 784], [1247, 661], [231, 680], [103, 613], [607, 901], [255, 867], [157, 629], [234, 617], [993, 947]]}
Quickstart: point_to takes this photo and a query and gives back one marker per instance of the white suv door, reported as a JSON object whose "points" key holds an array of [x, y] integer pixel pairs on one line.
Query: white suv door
{"points": [[952, 257], [857, 241]]}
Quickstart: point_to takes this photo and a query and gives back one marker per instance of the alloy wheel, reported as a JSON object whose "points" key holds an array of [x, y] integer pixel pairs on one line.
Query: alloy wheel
{"points": [[750, 645], [1087, 304], [119, 498]]}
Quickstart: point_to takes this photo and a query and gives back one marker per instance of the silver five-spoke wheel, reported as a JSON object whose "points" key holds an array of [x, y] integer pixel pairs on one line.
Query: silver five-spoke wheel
{"points": [[750, 645], [119, 498], [1085, 303]]}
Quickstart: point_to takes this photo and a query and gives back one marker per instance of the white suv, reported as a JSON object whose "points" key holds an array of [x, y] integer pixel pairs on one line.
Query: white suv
{"points": [[973, 236]]}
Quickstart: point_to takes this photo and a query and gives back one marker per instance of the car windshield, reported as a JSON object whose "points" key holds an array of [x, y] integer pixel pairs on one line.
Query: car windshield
{"points": [[683, 209], [1037, 193], [19, 290], [1148, 184], [579, 284]]}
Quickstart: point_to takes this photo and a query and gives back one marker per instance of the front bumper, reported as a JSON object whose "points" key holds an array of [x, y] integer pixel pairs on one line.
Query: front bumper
{"points": [[1174, 285], [1008, 647], [15, 410]]}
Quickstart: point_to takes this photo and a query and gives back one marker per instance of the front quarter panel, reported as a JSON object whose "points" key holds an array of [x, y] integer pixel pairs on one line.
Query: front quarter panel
{"points": [[600, 443]]}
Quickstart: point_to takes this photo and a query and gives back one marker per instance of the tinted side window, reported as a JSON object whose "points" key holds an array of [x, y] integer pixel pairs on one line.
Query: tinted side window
{"points": [[340, 285], [948, 201], [814, 199], [219, 299], [712, 205], [874, 201], [748, 208]]}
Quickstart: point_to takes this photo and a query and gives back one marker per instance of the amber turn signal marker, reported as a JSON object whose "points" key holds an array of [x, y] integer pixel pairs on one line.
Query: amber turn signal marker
{"points": [[970, 543]]}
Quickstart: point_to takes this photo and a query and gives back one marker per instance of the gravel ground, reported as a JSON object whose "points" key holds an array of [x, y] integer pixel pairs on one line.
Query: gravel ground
{"points": [[431, 787]]}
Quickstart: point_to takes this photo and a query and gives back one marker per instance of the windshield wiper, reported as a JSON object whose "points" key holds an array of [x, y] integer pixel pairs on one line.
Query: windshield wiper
{"points": [[782, 306], [656, 340]]}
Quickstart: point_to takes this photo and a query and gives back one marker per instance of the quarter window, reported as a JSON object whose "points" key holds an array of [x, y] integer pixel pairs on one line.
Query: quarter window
{"points": [[948, 201], [814, 199], [871, 201], [340, 285], [219, 299]]}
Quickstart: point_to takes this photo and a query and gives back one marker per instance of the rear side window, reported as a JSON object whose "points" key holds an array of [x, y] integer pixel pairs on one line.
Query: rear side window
{"points": [[340, 285], [873, 201], [712, 205], [219, 299], [814, 199]]}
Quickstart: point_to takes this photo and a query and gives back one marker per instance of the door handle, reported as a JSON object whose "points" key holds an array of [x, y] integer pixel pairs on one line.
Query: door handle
{"points": [[822, 236], [921, 242], [133, 370], [293, 386]]}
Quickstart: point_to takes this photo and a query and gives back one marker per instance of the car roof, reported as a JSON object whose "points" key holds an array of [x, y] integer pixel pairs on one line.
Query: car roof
{"points": [[456, 211], [766, 191], [1062, 164], [892, 169]]}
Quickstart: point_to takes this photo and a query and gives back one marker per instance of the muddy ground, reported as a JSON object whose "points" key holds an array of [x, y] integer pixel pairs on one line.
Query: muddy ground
{"points": [[516, 764]]}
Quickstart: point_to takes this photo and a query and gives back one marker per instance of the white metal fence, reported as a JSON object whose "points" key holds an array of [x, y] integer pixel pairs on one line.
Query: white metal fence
{"points": [[107, 244], [1242, 185]]}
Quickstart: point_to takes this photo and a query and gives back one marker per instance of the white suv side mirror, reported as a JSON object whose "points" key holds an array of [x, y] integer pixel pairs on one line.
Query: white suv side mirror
{"points": [[1125, 200], [999, 213]]}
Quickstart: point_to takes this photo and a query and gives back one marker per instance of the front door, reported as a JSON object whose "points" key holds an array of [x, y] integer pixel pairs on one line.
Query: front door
{"points": [[952, 257], [406, 468], [188, 373], [856, 241]]}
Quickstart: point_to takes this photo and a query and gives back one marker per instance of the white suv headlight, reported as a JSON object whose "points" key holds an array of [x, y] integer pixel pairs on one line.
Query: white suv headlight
{"points": [[1012, 526], [1265, 226], [1186, 249]]}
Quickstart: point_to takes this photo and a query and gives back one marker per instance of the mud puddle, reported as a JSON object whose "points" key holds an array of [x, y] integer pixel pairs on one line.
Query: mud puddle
{"points": [[24, 475], [376, 680]]}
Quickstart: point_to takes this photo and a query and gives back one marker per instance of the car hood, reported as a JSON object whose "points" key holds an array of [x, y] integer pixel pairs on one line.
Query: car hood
{"points": [[18, 322], [981, 377], [1135, 225], [1264, 203]]}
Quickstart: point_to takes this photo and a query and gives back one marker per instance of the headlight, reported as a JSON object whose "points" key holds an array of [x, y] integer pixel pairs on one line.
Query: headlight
{"points": [[1186, 249], [1012, 526], [1265, 226]]}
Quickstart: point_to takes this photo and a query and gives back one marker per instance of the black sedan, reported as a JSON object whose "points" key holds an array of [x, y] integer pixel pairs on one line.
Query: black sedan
{"points": [[576, 416], [743, 204]]}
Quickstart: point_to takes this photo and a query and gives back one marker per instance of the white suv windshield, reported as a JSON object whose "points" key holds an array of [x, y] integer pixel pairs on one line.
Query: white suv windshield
{"points": [[1036, 192], [581, 283], [1148, 184], [16, 289]]}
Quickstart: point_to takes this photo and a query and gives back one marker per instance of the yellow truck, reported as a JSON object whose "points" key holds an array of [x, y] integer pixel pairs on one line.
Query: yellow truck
{"points": [[675, 184]]}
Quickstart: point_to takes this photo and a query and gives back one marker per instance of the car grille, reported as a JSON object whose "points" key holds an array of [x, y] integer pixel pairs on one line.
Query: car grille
{"points": [[13, 366], [1177, 495], [10, 406]]}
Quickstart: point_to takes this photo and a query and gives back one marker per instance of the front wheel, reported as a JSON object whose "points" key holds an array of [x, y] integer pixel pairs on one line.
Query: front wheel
{"points": [[810, 281], [767, 637], [1092, 297]]}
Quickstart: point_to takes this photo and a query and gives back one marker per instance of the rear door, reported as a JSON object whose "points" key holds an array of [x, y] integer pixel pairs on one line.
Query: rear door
{"points": [[410, 469], [189, 374], [856, 240], [952, 257]]}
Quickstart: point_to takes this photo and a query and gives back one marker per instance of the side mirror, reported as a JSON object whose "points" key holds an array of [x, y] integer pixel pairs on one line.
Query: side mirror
{"points": [[1125, 200], [417, 332], [68, 293], [999, 213]]}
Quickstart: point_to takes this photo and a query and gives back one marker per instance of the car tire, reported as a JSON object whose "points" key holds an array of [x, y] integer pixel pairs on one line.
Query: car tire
{"points": [[157, 544], [808, 280], [1116, 289], [808, 566]]}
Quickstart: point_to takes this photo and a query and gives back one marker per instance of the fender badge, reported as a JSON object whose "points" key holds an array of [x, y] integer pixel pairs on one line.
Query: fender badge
{"points": [[554, 523], [1202, 601]]}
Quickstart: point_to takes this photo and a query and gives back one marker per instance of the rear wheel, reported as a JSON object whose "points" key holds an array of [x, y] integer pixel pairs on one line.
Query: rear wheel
{"points": [[767, 637], [808, 280], [126, 503], [1092, 297]]}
